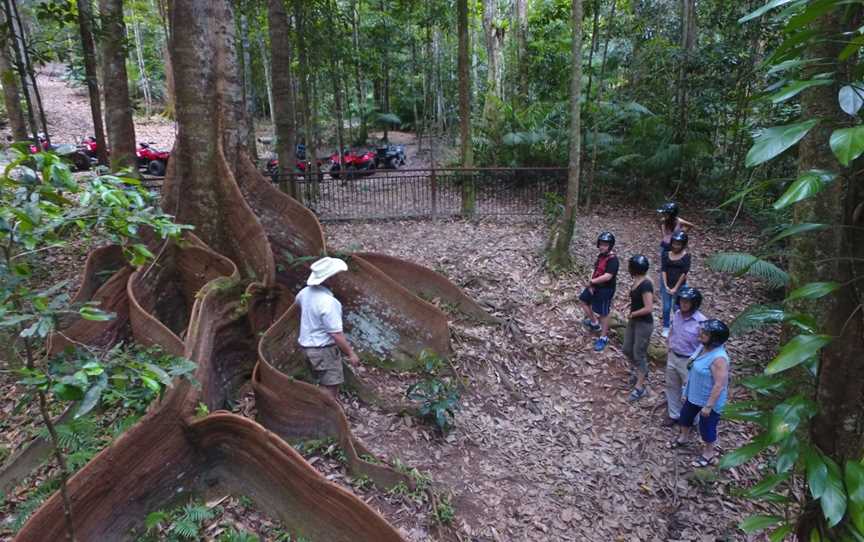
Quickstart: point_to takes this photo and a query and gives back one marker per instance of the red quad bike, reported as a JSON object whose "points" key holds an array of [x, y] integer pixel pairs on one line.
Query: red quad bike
{"points": [[354, 164], [80, 161], [152, 160]]}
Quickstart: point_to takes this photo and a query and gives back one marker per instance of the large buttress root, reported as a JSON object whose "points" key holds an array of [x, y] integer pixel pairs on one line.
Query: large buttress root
{"points": [[297, 410], [169, 455]]}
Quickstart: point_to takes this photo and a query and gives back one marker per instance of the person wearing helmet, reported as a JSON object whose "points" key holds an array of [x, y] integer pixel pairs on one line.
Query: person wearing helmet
{"points": [[670, 223], [674, 267], [321, 336], [682, 343], [706, 391], [597, 296], [640, 324]]}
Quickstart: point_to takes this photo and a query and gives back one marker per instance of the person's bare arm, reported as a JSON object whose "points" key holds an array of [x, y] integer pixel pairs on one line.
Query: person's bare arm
{"points": [[685, 225], [678, 284], [343, 344], [720, 372], [605, 277]]}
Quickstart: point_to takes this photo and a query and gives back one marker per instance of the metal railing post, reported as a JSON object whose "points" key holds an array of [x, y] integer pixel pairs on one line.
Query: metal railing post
{"points": [[433, 188]]}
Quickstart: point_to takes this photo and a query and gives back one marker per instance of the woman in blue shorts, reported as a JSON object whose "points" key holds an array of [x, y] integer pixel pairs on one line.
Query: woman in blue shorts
{"points": [[706, 391]]}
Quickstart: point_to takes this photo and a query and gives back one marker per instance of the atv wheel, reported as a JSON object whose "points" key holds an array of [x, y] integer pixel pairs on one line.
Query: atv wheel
{"points": [[335, 171], [81, 161], [156, 168]]}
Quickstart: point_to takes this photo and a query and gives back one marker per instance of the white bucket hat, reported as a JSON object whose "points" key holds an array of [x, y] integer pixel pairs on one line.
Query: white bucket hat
{"points": [[325, 268]]}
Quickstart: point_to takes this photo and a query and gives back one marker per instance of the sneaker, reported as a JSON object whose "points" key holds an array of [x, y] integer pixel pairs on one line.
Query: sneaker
{"points": [[591, 325], [600, 344], [637, 394], [665, 332], [632, 381]]}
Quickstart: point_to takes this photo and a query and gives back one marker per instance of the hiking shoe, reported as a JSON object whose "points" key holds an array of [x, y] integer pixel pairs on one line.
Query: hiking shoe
{"points": [[665, 332], [600, 344], [591, 325], [637, 394]]}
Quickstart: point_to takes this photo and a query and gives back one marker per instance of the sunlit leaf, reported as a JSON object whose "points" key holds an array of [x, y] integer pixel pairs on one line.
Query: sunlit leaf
{"points": [[800, 349], [758, 523], [763, 10], [796, 87], [807, 185], [847, 143], [813, 290], [851, 98], [796, 229]]}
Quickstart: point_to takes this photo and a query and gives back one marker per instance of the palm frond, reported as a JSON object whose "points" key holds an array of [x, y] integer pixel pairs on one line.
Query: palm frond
{"points": [[755, 317], [739, 263]]}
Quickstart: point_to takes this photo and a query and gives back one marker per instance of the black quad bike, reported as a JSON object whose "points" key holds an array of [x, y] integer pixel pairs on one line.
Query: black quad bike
{"points": [[390, 156]]}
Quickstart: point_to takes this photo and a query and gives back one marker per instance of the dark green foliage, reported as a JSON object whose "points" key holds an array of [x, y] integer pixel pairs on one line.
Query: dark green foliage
{"points": [[438, 396]]}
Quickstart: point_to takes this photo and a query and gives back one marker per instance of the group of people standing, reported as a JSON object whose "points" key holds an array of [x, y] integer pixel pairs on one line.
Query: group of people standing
{"points": [[697, 364]]}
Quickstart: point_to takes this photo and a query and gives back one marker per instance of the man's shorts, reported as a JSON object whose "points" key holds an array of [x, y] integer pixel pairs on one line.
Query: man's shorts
{"points": [[326, 365], [600, 300]]}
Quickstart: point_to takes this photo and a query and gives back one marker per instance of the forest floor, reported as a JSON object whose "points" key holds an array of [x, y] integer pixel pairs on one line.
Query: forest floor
{"points": [[545, 445]]}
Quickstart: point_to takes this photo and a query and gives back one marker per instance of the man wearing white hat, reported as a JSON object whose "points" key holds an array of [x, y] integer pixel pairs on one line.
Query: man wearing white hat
{"points": [[321, 335]]}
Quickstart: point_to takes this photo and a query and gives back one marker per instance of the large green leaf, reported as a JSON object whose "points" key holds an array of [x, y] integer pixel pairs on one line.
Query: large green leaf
{"points": [[787, 416], [796, 87], [847, 143], [744, 453], [773, 141], [779, 534], [766, 486], [739, 263], [833, 498], [758, 523], [796, 229], [813, 290], [800, 349], [787, 454], [851, 98], [854, 477], [806, 186], [765, 384], [763, 10]]}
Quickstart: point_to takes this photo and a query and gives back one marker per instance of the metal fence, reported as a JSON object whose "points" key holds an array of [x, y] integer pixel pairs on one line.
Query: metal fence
{"points": [[505, 192], [427, 193]]}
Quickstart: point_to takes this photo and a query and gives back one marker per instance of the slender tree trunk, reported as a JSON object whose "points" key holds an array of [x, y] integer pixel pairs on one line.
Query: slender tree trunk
{"points": [[85, 24], [22, 74], [248, 90], [337, 99], [594, 39], [688, 44], [29, 72], [469, 196], [11, 93], [521, 9], [562, 235], [358, 76], [142, 68], [306, 89], [268, 79], [835, 254], [494, 37], [589, 188], [118, 108], [283, 91]]}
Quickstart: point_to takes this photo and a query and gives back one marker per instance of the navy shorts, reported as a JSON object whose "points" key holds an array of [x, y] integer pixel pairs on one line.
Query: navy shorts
{"points": [[707, 426], [600, 300]]}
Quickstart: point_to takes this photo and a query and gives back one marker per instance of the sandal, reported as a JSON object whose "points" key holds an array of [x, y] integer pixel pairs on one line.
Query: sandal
{"points": [[675, 443], [701, 462]]}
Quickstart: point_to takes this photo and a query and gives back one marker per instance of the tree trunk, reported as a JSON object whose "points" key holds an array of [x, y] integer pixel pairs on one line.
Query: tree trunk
{"points": [[28, 72], [11, 93], [595, 25], [268, 79], [22, 74], [493, 33], [142, 68], [248, 89], [337, 99], [283, 91], [118, 108], [835, 254], [85, 25], [358, 76], [466, 153], [232, 309], [592, 169], [562, 234], [688, 45], [521, 9]]}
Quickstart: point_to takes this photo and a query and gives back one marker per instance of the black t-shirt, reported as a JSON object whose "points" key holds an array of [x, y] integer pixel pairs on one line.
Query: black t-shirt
{"points": [[636, 301], [675, 268], [609, 266]]}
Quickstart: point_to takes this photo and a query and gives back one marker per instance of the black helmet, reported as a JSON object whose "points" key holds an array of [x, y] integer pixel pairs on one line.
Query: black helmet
{"points": [[606, 237], [694, 295], [638, 264], [717, 331], [681, 237], [670, 209]]}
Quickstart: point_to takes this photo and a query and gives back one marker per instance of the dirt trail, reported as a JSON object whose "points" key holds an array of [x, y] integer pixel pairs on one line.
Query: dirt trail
{"points": [[546, 446]]}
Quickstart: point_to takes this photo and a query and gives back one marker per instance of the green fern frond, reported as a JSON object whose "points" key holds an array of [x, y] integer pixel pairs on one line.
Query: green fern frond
{"points": [[197, 512], [755, 317], [185, 528], [739, 263]]}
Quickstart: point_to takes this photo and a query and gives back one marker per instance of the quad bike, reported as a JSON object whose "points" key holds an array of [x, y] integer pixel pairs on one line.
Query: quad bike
{"points": [[152, 160], [352, 164], [300, 167], [390, 156], [80, 161]]}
